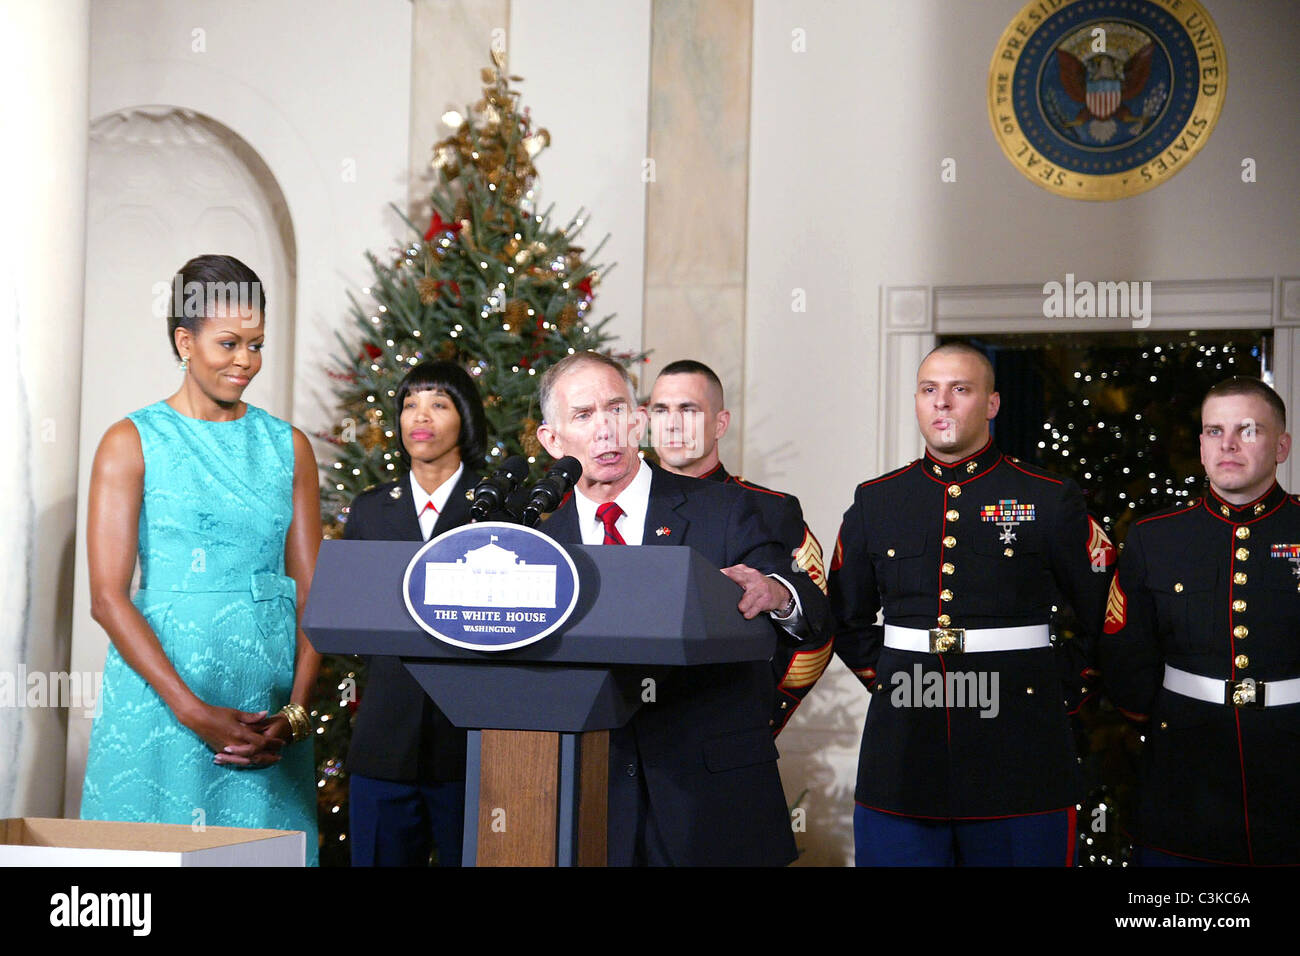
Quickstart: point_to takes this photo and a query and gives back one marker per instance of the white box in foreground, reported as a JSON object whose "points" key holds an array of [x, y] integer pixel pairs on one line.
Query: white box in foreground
{"points": [[43, 841]]}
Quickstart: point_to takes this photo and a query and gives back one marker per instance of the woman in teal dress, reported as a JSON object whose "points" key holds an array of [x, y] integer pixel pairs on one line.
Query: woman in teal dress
{"points": [[208, 676]]}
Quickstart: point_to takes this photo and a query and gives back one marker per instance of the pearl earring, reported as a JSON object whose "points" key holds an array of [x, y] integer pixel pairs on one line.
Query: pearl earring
{"points": [[185, 364]]}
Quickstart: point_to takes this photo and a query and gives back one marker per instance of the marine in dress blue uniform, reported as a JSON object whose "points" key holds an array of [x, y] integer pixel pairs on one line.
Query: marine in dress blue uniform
{"points": [[688, 418], [796, 669], [967, 755], [1202, 646]]}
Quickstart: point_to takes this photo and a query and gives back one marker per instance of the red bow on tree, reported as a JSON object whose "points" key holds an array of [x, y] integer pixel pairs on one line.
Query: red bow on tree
{"points": [[437, 226], [585, 287]]}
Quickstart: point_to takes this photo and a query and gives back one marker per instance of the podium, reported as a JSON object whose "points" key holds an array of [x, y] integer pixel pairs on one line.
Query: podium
{"points": [[539, 716]]}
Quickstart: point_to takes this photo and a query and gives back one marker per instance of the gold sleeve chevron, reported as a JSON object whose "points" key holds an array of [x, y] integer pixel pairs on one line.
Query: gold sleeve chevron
{"points": [[1116, 608], [808, 557], [806, 666]]}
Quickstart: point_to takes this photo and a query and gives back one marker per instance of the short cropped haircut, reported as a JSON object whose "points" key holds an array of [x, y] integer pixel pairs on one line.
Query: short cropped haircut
{"points": [[965, 348], [546, 388], [692, 367], [456, 384], [1245, 385]]}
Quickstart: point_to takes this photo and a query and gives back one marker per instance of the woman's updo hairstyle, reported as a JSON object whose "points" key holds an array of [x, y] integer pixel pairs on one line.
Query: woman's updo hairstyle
{"points": [[204, 283]]}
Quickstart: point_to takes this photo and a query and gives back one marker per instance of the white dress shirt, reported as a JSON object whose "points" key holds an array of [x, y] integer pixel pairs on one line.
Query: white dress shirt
{"points": [[635, 502], [429, 516]]}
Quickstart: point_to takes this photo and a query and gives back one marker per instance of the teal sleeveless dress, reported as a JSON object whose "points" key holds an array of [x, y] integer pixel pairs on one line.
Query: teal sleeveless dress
{"points": [[218, 501]]}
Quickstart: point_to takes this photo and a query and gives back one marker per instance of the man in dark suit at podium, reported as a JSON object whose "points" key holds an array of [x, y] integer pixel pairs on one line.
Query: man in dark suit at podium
{"points": [[693, 776]]}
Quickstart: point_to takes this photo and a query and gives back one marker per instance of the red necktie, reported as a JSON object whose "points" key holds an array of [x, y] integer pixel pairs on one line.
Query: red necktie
{"points": [[609, 513], [428, 506]]}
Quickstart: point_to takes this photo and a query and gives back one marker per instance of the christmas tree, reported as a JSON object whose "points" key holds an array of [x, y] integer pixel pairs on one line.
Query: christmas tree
{"points": [[490, 284]]}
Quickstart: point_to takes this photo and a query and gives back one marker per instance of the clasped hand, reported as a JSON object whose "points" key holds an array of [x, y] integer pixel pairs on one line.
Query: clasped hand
{"points": [[761, 592], [240, 738]]}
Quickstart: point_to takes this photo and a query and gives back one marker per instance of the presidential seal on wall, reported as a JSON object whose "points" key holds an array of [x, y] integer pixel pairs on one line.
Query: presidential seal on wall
{"points": [[1102, 99]]}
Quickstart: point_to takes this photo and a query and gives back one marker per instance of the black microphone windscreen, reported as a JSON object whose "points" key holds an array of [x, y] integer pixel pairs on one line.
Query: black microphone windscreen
{"points": [[516, 466], [569, 467]]}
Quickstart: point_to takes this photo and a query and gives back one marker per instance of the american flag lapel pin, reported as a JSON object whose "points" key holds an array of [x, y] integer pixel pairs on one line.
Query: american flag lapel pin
{"points": [[662, 530]]}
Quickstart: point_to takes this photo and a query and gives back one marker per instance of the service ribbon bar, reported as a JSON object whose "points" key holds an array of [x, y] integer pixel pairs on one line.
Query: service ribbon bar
{"points": [[1007, 511]]}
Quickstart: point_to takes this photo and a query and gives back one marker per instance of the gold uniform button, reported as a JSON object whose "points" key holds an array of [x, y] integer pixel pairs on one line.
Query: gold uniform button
{"points": [[1178, 587], [952, 514], [1243, 533], [945, 595], [1239, 577], [1242, 554], [1242, 662], [948, 567], [954, 491], [1164, 725], [950, 542], [784, 704], [944, 620], [890, 552], [1240, 631], [1029, 690], [1008, 552], [1239, 605]]}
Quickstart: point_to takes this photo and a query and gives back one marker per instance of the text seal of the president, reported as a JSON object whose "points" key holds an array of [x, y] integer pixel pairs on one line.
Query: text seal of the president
{"points": [[1103, 99]]}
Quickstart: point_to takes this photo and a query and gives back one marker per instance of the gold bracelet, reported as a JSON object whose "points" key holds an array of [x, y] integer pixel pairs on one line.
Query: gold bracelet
{"points": [[304, 722], [299, 722]]}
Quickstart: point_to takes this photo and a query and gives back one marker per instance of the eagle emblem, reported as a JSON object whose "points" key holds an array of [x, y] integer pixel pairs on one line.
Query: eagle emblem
{"points": [[1102, 85]]}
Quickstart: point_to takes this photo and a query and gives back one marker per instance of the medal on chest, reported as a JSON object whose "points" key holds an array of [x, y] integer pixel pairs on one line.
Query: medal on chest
{"points": [[1007, 514]]}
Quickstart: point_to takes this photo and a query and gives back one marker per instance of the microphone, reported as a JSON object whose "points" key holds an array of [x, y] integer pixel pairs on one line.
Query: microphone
{"points": [[491, 492], [550, 491]]}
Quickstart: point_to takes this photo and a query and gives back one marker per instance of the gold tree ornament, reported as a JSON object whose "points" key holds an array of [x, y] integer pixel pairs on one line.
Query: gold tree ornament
{"points": [[516, 316], [568, 317], [528, 438], [536, 143], [428, 289]]}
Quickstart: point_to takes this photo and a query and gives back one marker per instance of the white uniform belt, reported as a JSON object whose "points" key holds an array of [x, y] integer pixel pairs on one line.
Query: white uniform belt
{"points": [[1246, 692], [947, 640]]}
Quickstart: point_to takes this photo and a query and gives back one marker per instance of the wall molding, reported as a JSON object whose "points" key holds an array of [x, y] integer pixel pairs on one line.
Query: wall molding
{"points": [[913, 316]]}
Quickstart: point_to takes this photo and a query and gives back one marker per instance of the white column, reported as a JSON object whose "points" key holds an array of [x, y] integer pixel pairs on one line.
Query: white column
{"points": [[44, 70]]}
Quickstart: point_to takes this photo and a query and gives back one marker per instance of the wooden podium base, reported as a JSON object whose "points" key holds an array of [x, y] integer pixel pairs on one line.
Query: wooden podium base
{"points": [[542, 798]]}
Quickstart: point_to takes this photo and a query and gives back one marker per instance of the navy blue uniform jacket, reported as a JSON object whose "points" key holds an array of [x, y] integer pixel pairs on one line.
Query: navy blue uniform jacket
{"points": [[1213, 589]]}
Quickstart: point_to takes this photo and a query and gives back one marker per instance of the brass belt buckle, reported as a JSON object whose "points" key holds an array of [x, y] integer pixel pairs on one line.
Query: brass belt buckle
{"points": [[947, 640], [1246, 693]]}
